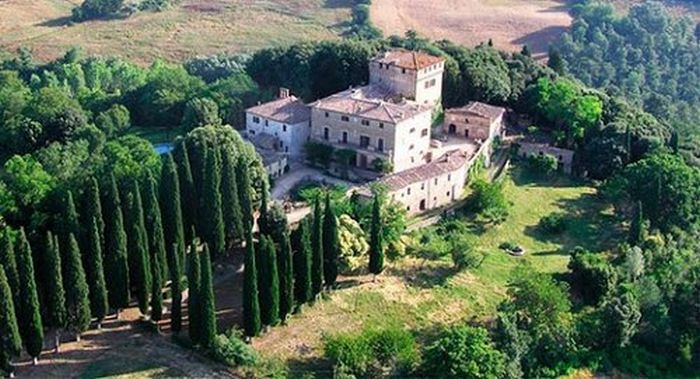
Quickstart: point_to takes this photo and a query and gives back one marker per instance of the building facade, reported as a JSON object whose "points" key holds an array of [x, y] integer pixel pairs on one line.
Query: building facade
{"points": [[477, 121], [413, 75], [365, 120], [564, 157], [286, 118]]}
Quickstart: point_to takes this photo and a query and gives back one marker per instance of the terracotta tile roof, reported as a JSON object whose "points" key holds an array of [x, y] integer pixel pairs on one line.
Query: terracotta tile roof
{"points": [[480, 109], [412, 60], [372, 102], [449, 162], [288, 110]]}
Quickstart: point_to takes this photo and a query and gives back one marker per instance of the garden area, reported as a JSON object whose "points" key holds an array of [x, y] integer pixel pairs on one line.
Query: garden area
{"points": [[424, 288]]}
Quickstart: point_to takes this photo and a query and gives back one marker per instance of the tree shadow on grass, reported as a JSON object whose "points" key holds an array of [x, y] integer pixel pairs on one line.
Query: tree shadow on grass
{"points": [[317, 367], [424, 276], [57, 22], [586, 225]]}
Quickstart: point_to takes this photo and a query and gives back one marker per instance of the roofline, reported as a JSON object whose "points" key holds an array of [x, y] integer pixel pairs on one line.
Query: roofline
{"points": [[276, 119], [371, 118]]}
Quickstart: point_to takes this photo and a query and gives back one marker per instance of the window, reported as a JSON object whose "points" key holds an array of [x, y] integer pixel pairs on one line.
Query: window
{"points": [[449, 177], [256, 119], [412, 130], [365, 122], [286, 149], [345, 118], [325, 134], [435, 181], [381, 65], [408, 191], [403, 70], [252, 132], [327, 114], [408, 208], [380, 144], [381, 125], [345, 137], [411, 147], [424, 133], [267, 123], [284, 128], [448, 193], [364, 141], [422, 186]]}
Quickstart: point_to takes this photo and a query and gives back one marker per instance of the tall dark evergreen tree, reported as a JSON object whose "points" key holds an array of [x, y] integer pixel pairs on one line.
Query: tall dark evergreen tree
{"points": [[194, 282], [331, 244], [245, 192], [233, 222], [92, 209], [555, 61], [263, 215], [176, 291], [207, 304], [188, 199], [10, 343], [9, 262], [636, 232], [213, 222], [77, 296], [116, 265], [31, 326], [302, 263], [251, 303], [286, 277], [156, 288], [55, 303], [139, 261], [376, 243], [269, 282], [317, 249], [154, 225], [173, 230], [67, 223], [94, 271]]}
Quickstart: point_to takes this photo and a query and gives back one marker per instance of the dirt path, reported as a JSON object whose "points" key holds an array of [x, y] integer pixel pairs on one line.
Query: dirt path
{"points": [[510, 24]]}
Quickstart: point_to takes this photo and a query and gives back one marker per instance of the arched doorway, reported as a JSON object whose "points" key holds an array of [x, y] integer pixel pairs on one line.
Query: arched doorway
{"points": [[452, 129]]}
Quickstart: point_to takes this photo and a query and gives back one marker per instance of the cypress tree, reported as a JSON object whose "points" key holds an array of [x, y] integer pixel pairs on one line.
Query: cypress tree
{"points": [[244, 195], [94, 271], [233, 222], [154, 225], [637, 225], [10, 343], [31, 326], [8, 260], [173, 231], [92, 209], [302, 264], [269, 282], [156, 288], [674, 142], [188, 200], [213, 222], [286, 276], [176, 290], [55, 296], [251, 304], [317, 249], [77, 297], [137, 244], [116, 266], [194, 282], [264, 226], [68, 223], [331, 244], [376, 245], [206, 302]]}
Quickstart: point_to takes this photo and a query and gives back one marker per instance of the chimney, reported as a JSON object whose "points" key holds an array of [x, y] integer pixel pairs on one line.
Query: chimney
{"points": [[284, 93]]}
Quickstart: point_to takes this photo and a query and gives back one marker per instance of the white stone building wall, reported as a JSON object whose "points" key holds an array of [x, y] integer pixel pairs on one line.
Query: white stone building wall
{"points": [[292, 136]]}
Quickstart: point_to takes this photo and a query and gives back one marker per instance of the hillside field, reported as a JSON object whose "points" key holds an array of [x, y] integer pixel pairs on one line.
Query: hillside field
{"points": [[192, 27]]}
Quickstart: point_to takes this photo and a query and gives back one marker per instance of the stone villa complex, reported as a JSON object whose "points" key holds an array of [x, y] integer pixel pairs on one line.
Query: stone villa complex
{"points": [[388, 121]]}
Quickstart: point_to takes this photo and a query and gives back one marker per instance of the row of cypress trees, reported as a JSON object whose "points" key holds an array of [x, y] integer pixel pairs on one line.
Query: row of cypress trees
{"points": [[287, 269], [85, 272]]}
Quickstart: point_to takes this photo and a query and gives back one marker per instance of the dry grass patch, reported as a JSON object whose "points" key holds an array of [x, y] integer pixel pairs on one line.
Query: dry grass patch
{"points": [[193, 27]]}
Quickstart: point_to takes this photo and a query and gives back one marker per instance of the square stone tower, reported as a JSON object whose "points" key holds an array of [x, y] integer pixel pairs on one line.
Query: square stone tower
{"points": [[414, 75]]}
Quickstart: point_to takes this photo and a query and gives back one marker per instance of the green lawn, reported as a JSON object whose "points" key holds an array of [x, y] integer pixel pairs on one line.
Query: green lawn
{"points": [[420, 294], [155, 135]]}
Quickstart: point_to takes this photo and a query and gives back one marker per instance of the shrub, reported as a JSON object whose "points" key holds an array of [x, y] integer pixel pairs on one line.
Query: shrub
{"points": [[489, 200], [507, 245], [545, 164], [92, 9], [319, 154], [463, 254], [554, 223], [463, 352], [155, 5], [382, 165], [393, 349], [593, 276], [232, 351]]}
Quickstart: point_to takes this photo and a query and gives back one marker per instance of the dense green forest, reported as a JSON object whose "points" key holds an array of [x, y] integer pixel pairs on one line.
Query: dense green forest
{"points": [[647, 56]]}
